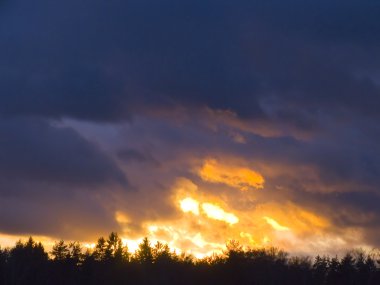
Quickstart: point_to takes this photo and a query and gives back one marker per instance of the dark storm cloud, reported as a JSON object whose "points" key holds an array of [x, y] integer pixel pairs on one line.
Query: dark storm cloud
{"points": [[338, 162], [34, 150], [105, 60], [131, 154]]}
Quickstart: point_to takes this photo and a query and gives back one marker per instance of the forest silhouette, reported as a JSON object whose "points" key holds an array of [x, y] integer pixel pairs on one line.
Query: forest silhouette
{"points": [[111, 263]]}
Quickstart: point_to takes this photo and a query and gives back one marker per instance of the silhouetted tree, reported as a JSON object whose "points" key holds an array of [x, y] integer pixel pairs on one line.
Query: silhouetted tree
{"points": [[75, 253], [27, 263], [161, 253], [347, 270], [144, 253], [299, 270], [4, 258], [115, 249], [60, 251], [333, 275], [100, 251], [320, 270]]}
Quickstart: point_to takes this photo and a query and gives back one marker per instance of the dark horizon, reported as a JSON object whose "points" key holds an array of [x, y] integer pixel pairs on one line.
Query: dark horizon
{"points": [[112, 263]]}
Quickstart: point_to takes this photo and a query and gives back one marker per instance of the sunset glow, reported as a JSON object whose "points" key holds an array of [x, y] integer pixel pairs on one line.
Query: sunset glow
{"points": [[209, 221], [191, 123]]}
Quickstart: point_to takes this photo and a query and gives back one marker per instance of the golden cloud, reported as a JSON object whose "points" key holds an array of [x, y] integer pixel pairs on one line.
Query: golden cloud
{"points": [[235, 176], [205, 222], [275, 224]]}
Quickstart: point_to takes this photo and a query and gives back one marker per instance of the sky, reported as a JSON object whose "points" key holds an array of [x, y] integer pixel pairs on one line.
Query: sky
{"points": [[191, 122]]}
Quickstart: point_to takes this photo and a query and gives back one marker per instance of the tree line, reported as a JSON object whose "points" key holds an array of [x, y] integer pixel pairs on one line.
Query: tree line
{"points": [[111, 263]]}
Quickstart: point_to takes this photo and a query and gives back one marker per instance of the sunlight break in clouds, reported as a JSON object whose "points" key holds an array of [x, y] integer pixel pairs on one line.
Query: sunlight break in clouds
{"points": [[236, 177], [215, 212], [190, 205]]}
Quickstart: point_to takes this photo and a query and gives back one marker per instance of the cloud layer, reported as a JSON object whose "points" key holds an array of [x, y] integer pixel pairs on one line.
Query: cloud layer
{"points": [[106, 107]]}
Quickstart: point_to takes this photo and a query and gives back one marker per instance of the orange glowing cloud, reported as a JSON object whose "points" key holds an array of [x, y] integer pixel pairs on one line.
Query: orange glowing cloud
{"points": [[291, 217], [206, 221], [237, 177], [275, 224]]}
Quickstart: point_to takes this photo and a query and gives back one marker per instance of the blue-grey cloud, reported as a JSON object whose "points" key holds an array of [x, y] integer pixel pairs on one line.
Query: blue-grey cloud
{"points": [[35, 150], [104, 61]]}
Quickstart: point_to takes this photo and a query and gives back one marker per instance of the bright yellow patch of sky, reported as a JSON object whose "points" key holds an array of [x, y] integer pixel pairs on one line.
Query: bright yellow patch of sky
{"points": [[190, 205], [235, 176], [212, 211], [217, 213]]}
